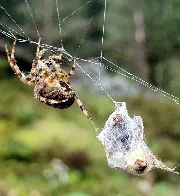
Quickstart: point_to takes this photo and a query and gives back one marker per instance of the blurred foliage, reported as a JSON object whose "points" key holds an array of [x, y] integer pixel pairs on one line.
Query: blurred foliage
{"points": [[32, 135], [27, 150]]}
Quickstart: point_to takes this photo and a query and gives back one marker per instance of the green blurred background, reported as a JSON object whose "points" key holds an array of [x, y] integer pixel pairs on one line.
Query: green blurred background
{"points": [[44, 151]]}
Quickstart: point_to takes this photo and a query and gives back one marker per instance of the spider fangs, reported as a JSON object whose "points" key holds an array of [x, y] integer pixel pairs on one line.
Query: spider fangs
{"points": [[50, 81]]}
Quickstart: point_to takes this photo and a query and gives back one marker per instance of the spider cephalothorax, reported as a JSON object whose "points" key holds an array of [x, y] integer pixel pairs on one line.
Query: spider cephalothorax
{"points": [[50, 80]]}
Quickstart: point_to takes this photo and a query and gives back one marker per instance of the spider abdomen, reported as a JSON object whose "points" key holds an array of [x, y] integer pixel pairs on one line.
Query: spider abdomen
{"points": [[58, 96]]}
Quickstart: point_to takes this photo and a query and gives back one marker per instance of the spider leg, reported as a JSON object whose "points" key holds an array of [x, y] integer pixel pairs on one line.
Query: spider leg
{"points": [[80, 104], [55, 65], [72, 69], [58, 58], [60, 73], [38, 47], [63, 75], [15, 68], [39, 54]]}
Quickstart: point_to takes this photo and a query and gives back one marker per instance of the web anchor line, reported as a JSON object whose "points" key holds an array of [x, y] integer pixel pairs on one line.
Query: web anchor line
{"points": [[141, 81], [10, 31], [32, 18], [59, 23], [5, 11], [103, 30]]}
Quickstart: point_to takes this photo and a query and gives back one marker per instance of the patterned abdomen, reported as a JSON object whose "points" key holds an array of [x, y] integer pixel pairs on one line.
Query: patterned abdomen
{"points": [[58, 96]]}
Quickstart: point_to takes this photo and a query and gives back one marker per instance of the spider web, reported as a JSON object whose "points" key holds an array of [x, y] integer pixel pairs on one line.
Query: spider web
{"points": [[101, 63]]}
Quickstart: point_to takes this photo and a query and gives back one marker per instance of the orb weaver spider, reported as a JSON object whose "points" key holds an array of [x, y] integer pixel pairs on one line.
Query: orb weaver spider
{"points": [[50, 80]]}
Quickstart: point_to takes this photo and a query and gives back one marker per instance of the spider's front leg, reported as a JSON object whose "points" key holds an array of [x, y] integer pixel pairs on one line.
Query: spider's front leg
{"points": [[11, 59], [39, 54], [63, 75]]}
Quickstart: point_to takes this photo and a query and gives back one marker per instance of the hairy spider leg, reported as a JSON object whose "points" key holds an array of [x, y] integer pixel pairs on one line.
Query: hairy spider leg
{"points": [[38, 47], [60, 73], [11, 59], [72, 69], [55, 65], [39, 55], [80, 104], [58, 58]]}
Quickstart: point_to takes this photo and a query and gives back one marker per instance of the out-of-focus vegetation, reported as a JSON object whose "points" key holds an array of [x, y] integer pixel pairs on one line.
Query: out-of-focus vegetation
{"points": [[35, 138]]}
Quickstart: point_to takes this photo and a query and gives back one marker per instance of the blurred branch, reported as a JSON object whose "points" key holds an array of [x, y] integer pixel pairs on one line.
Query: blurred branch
{"points": [[48, 21], [139, 42]]}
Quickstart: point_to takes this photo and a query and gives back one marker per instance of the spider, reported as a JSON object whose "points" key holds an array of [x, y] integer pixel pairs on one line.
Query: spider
{"points": [[50, 80]]}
